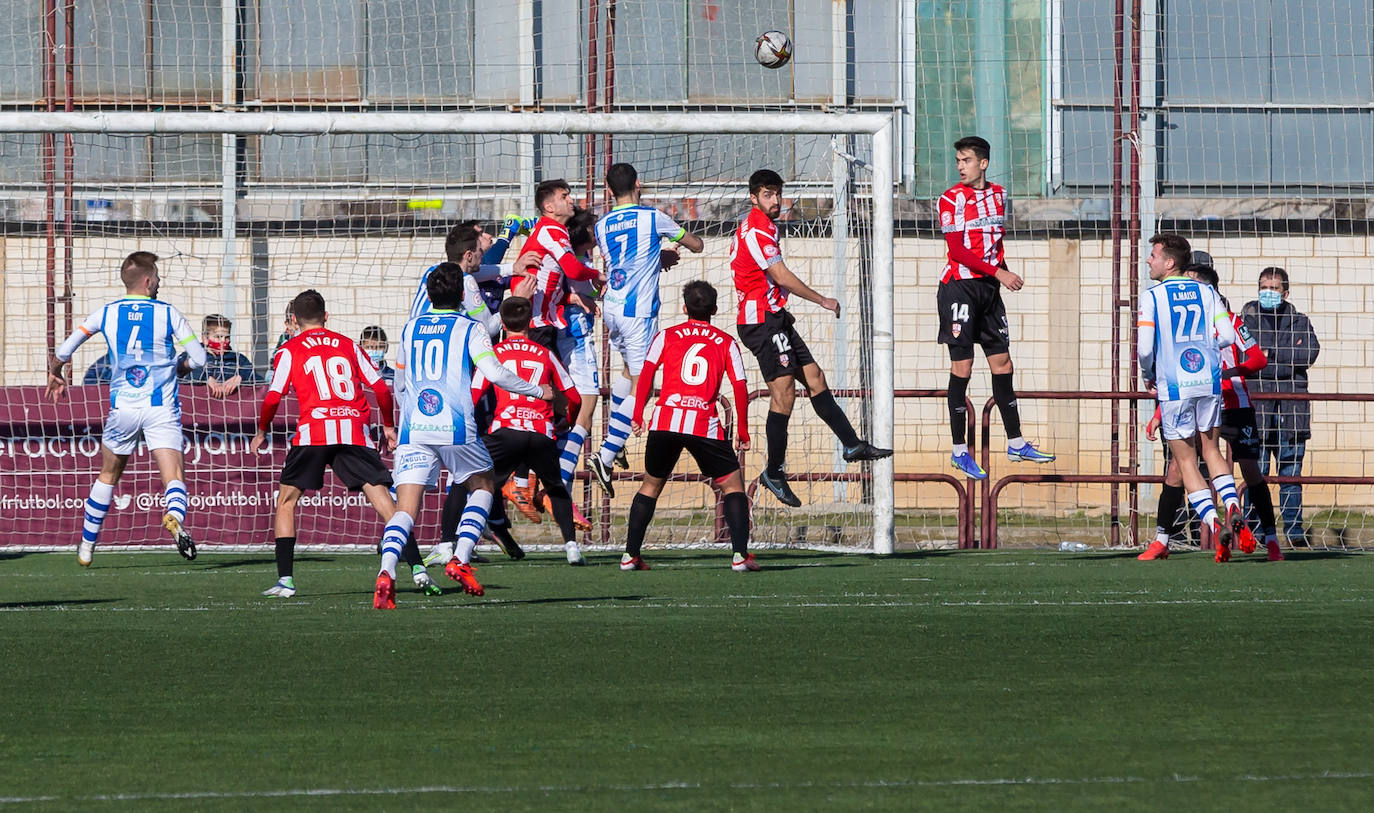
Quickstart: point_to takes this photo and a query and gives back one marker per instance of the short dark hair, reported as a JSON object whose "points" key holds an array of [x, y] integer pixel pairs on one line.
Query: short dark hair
{"points": [[762, 179], [215, 320], [308, 307], [980, 146], [1176, 247], [581, 228], [621, 179], [1275, 271], [1207, 274], [699, 298], [373, 333], [136, 266], [445, 286], [461, 239], [515, 313], [546, 190]]}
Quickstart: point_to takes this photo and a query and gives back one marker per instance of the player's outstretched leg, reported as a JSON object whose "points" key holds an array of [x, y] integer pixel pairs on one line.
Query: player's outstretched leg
{"points": [[97, 506], [394, 538], [1004, 393], [285, 526], [641, 514], [617, 433], [470, 526]]}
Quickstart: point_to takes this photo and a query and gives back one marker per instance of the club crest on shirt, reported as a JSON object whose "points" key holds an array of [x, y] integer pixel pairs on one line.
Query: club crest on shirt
{"points": [[618, 278], [136, 376], [784, 359], [956, 328], [431, 402], [1191, 360]]}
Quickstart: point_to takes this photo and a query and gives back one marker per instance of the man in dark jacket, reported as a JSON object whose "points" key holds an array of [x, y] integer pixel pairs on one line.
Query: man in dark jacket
{"points": [[1287, 338], [225, 369]]}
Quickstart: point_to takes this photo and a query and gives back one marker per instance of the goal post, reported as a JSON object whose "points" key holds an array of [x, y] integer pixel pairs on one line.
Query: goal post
{"points": [[867, 209]]}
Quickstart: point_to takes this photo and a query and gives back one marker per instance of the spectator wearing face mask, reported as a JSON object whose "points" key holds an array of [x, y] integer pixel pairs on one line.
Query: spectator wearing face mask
{"points": [[225, 369], [1287, 338], [374, 344]]}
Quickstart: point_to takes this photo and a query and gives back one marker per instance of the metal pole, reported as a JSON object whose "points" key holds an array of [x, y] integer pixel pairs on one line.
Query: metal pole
{"points": [[49, 168], [229, 19], [1118, 73], [1132, 437], [883, 340], [68, 167]]}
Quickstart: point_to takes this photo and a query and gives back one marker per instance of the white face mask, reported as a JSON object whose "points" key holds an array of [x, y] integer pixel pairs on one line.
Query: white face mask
{"points": [[1269, 299]]}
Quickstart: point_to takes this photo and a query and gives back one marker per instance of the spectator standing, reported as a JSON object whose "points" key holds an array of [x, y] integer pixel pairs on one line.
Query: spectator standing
{"points": [[1287, 338]]}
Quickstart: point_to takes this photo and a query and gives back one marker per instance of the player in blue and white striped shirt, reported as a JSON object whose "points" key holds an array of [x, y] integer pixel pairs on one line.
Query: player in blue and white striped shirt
{"points": [[1182, 327], [630, 238], [150, 344], [437, 427]]}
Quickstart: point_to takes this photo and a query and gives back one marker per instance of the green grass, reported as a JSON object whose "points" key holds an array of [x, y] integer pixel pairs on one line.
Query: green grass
{"points": [[939, 681]]}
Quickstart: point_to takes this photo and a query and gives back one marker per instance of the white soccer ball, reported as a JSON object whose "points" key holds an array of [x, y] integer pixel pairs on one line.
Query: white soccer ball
{"points": [[772, 49]]}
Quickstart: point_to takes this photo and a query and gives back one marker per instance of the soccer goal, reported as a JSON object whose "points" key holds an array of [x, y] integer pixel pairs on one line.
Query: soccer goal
{"points": [[248, 209]]}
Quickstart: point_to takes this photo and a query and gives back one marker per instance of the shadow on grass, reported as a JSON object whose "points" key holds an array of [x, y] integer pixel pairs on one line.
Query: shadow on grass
{"points": [[21, 605], [558, 600], [223, 565]]}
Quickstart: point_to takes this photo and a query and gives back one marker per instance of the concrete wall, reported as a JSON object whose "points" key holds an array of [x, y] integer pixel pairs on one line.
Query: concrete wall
{"points": [[1060, 326]]}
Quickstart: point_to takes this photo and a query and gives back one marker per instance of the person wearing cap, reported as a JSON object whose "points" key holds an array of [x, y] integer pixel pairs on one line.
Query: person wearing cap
{"points": [[1287, 338]]}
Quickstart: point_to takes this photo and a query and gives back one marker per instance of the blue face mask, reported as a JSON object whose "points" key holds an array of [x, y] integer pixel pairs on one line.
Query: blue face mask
{"points": [[378, 358], [1270, 299]]}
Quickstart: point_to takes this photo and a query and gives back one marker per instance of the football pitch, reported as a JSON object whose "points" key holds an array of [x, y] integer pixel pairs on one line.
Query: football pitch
{"points": [[935, 681]]}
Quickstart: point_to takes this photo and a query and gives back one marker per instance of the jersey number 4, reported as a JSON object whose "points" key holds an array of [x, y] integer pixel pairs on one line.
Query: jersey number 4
{"points": [[333, 377]]}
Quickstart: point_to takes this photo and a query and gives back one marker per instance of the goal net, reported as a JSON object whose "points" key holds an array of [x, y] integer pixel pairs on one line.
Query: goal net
{"points": [[364, 214]]}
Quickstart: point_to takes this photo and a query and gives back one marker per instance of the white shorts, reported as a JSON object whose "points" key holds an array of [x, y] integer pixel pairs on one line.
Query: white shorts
{"points": [[159, 427], [631, 337], [577, 351], [418, 463], [1189, 417]]}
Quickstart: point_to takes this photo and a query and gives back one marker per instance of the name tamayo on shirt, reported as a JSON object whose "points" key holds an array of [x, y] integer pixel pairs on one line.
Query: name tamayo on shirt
{"points": [[1179, 349], [146, 337], [434, 375], [629, 239]]}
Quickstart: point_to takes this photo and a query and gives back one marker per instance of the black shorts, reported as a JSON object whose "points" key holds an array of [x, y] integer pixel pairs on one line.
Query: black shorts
{"points": [[355, 466], [715, 458], [546, 336], [514, 449], [972, 313], [1241, 433], [777, 346]]}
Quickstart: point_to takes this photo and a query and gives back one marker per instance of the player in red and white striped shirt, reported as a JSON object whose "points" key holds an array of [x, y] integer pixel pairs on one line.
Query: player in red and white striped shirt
{"points": [[328, 373], [973, 216], [762, 284], [522, 427], [695, 358], [1238, 426], [549, 241]]}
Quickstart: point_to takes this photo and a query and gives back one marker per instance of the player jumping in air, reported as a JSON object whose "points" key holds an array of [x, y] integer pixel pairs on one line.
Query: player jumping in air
{"points": [[437, 425], [328, 372], [762, 284], [973, 219], [522, 427], [695, 357], [630, 238], [1183, 328], [150, 344]]}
